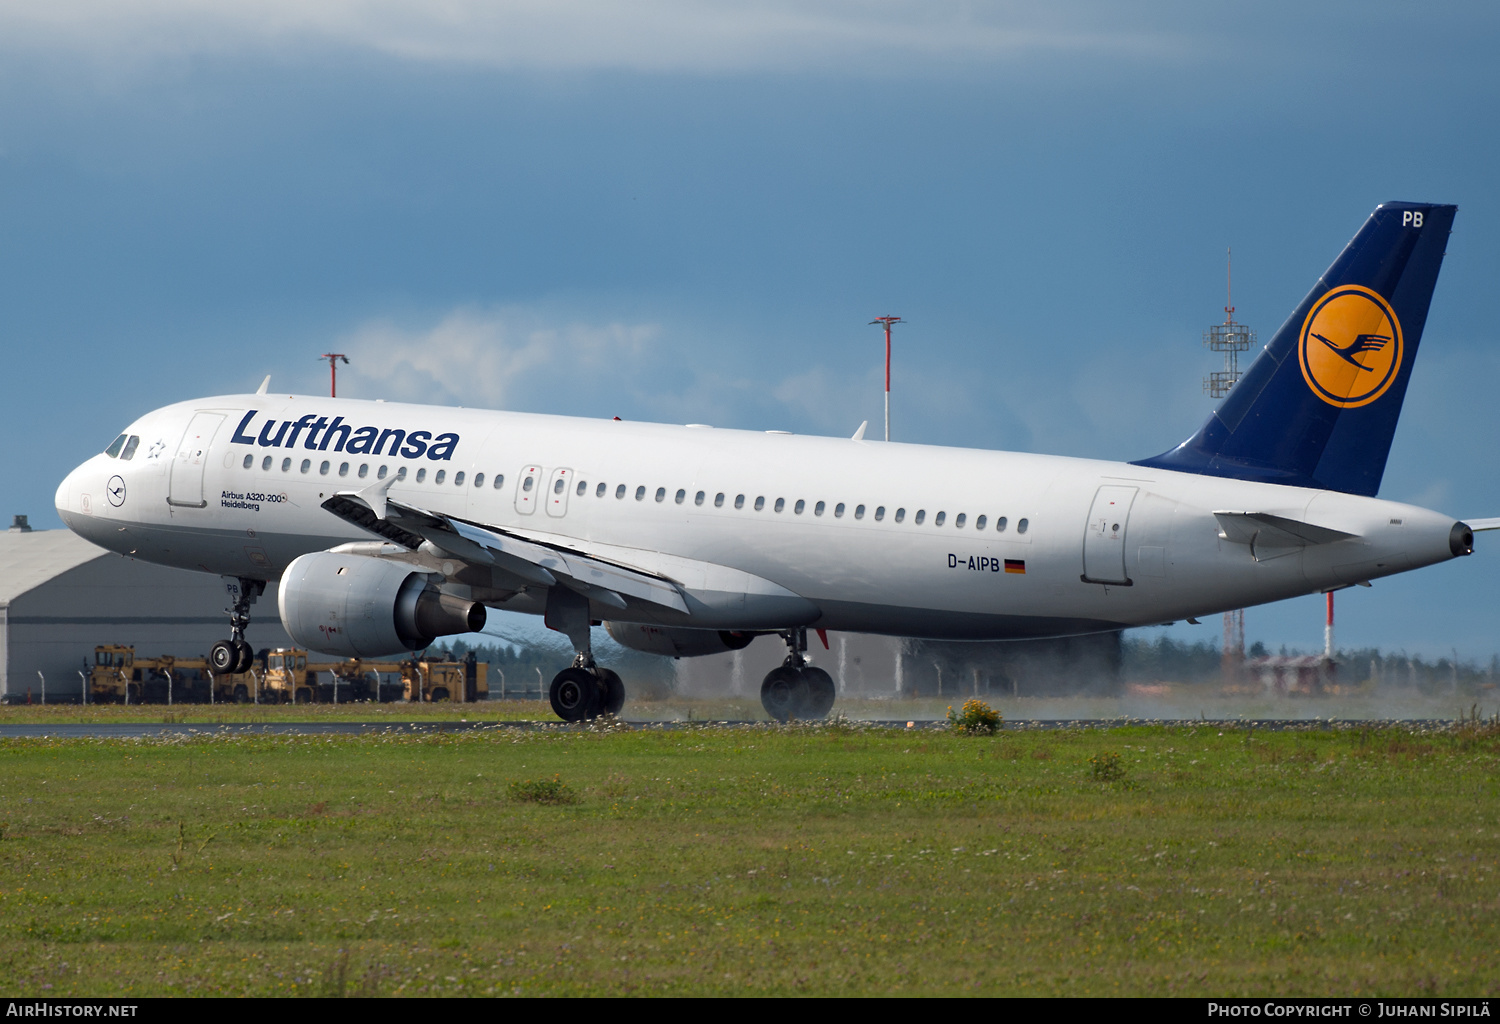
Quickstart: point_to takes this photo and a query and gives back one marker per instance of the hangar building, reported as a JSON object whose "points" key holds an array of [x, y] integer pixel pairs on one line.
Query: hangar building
{"points": [[60, 596]]}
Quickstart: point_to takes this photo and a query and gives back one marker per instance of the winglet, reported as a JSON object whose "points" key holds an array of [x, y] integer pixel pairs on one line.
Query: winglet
{"points": [[265, 386], [375, 495], [859, 435]]}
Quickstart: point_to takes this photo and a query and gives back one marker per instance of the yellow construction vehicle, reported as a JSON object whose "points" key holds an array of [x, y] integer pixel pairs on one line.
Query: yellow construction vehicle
{"points": [[445, 678], [118, 676], [291, 678]]}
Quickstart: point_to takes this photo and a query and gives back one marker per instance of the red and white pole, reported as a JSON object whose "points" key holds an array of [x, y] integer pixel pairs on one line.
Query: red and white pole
{"points": [[887, 321], [1328, 630], [333, 371]]}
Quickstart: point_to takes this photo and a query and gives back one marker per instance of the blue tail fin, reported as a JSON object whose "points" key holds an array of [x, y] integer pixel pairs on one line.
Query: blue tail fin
{"points": [[1319, 405]]}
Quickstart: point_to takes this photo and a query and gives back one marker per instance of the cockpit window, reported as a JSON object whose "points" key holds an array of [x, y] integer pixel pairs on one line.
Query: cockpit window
{"points": [[130, 447], [113, 451]]}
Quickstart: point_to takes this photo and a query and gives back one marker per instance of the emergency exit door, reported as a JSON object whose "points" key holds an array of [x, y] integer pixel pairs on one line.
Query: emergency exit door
{"points": [[186, 484], [1104, 537]]}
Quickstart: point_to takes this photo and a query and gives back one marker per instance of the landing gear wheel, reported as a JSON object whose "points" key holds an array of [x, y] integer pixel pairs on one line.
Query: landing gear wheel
{"points": [[784, 693], [614, 692], [576, 694], [246, 656], [821, 692], [224, 657]]}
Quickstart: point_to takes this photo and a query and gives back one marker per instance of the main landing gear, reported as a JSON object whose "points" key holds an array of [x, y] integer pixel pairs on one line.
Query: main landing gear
{"points": [[583, 690], [797, 689], [235, 655]]}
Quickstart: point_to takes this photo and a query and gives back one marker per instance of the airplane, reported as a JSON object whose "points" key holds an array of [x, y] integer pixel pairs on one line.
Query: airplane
{"points": [[387, 525]]}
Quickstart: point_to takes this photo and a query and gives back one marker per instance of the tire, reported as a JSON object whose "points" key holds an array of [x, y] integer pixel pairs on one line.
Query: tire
{"points": [[241, 694], [247, 656], [614, 692], [575, 695], [223, 656], [821, 693], [441, 693], [783, 693]]}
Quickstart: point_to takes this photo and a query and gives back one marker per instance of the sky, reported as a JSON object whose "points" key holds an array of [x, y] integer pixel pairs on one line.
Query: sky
{"points": [[689, 212]]}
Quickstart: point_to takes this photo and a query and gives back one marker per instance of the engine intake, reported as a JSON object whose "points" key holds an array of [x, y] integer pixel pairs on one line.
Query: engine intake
{"points": [[677, 642], [363, 607]]}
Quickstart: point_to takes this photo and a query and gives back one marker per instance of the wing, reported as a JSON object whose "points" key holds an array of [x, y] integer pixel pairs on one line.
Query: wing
{"points": [[1480, 525], [666, 588], [537, 564]]}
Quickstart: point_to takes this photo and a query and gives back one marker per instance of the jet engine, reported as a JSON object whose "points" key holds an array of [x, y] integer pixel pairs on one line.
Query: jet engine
{"points": [[677, 642], [362, 607]]}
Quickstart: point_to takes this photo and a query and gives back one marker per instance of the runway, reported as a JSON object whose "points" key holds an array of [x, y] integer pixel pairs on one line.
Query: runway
{"points": [[150, 730]]}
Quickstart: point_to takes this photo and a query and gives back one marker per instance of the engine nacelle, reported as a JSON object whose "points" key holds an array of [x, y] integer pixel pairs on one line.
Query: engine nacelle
{"points": [[676, 641], [363, 607]]}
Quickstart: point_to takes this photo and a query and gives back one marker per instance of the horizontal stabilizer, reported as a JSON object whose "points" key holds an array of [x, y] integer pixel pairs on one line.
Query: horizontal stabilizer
{"points": [[1262, 529], [1480, 525]]}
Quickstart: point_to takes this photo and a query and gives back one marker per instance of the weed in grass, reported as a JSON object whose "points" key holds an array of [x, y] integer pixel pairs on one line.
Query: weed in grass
{"points": [[1106, 766], [976, 719], [543, 791]]}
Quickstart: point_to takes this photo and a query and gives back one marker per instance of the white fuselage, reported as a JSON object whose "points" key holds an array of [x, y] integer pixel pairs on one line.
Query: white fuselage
{"points": [[921, 567]]}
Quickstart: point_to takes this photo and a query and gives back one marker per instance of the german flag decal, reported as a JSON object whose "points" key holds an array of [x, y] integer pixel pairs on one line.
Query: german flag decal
{"points": [[1016, 565]]}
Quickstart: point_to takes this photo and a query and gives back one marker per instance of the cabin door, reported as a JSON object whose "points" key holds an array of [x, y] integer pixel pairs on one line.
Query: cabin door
{"points": [[1104, 537], [186, 486]]}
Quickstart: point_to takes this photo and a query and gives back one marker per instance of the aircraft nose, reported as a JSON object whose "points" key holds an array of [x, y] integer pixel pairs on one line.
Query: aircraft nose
{"points": [[69, 494]]}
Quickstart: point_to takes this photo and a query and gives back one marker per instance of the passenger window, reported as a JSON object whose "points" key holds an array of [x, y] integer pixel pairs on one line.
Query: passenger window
{"points": [[113, 451], [797, 508], [249, 460], [681, 496], [364, 470], [780, 504], [739, 501], [1000, 525], [265, 463], [583, 488], [558, 485], [900, 514], [499, 481], [838, 511], [381, 472], [322, 470], [859, 511], [526, 484], [599, 491], [661, 494], [130, 447], [640, 493], [879, 513], [440, 476], [959, 520], [938, 519], [306, 465], [1022, 524], [978, 523], [478, 477], [760, 503], [719, 500], [620, 491], [458, 478], [422, 474], [921, 515], [698, 498], [343, 469], [286, 465], [818, 508]]}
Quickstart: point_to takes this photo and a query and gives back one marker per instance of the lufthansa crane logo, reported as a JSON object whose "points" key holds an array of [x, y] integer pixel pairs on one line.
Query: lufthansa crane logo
{"points": [[1350, 349]]}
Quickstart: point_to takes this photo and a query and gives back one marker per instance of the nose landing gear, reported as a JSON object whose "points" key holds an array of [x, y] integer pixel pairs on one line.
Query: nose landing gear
{"points": [[235, 654], [797, 689]]}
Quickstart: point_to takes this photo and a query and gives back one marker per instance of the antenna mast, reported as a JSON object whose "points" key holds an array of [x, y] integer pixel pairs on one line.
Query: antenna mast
{"points": [[888, 321], [1229, 338], [333, 371]]}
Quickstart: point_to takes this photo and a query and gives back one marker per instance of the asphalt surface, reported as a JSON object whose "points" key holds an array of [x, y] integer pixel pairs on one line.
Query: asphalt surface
{"points": [[127, 730]]}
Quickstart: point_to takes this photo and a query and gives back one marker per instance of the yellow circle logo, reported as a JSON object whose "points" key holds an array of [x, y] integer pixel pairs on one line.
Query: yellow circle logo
{"points": [[1350, 348]]}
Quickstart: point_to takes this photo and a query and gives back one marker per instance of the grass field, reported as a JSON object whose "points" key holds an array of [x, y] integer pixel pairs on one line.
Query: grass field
{"points": [[824, 860]]}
